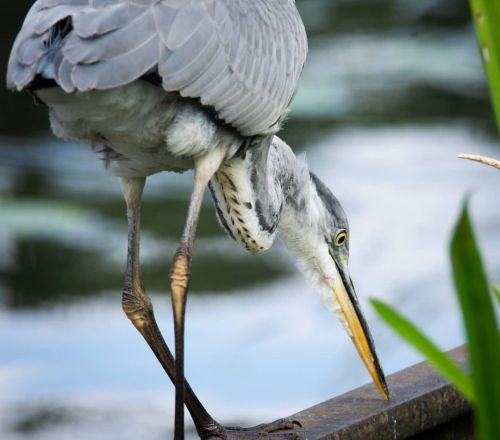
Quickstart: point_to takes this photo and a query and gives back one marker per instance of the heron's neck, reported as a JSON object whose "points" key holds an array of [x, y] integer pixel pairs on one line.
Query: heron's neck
{"points": [[303, 216], [264, 190]]}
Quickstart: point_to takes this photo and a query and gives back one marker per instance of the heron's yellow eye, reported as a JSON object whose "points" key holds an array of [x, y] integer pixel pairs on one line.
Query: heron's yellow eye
{"points": [[341, 238]]}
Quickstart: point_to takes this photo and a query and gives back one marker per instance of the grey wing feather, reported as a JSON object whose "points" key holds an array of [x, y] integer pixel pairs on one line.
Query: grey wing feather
{"points": [[93, 23], [118, 70], [243, 58], [84, 51]]}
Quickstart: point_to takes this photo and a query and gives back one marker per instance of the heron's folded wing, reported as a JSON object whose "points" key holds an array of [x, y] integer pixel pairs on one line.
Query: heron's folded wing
{"points": [[241, 57]]}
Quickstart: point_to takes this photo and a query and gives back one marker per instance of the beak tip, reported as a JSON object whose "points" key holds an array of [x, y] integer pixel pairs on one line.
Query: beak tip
{"points": [[384, 389], [386, 395]]}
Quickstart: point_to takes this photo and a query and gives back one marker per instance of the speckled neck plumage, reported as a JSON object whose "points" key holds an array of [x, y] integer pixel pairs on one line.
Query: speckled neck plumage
{"points": [[251, 193]]}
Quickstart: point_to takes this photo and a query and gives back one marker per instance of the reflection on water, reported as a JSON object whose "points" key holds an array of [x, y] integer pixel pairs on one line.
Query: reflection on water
{"points": [[391, 94]]}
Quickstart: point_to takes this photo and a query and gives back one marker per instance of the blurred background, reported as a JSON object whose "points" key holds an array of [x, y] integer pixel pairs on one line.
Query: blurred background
{"points": [[392, 91]]}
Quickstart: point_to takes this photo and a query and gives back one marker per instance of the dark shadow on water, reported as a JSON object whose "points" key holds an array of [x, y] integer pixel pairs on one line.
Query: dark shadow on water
{"points": [[41, 418], [419, 104], [48, 272]]}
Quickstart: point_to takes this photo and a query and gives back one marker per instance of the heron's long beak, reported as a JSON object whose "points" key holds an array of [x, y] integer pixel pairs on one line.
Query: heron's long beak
{"points": [[358, 329]]}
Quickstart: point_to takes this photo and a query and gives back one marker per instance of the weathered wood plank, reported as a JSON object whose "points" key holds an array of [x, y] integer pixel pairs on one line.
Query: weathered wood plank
{"points": [[421, 401]]}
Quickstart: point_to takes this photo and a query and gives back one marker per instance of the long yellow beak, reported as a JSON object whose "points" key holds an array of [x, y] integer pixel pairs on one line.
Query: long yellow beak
{"points": [[359, 332]]}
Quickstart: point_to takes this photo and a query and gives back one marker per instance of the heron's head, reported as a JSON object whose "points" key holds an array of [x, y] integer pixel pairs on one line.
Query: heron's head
{"points": [[321, 242]]}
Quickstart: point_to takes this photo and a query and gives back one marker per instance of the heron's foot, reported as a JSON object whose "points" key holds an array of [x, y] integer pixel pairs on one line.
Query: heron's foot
{"points": [[281, 429]]}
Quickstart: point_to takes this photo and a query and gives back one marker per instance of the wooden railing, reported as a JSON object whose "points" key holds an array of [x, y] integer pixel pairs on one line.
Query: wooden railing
{"points": [[423, 405]]}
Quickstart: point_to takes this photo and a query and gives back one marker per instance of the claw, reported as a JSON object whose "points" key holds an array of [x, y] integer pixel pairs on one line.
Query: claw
{"points": [[269, 431], [279, 425]]}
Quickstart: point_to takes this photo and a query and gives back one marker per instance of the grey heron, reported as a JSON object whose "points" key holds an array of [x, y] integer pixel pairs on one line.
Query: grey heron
{"points": [[172, 85]]}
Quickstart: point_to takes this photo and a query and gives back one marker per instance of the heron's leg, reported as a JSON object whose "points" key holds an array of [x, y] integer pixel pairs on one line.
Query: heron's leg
{"points": [[204, 168], [139, 309]]}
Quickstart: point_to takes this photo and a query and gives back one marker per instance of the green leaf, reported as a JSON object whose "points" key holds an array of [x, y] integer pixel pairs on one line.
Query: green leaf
{"points": [[496, 291], [442, 362], [486, 14], [480, 325]]}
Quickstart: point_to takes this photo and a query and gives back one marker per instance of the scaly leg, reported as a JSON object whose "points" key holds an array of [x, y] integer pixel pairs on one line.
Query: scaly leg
{"points": [[204, 168], [138, 308]]}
